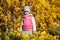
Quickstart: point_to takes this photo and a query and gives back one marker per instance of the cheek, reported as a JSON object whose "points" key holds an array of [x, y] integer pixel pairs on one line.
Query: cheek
{"points": [[25, 13]]}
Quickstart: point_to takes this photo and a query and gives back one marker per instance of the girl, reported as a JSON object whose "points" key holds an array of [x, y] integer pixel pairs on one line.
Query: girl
{"points": [[28, 25]]}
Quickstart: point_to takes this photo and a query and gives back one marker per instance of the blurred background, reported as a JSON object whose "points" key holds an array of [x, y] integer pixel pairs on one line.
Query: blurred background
{"points": [[45, 12]]}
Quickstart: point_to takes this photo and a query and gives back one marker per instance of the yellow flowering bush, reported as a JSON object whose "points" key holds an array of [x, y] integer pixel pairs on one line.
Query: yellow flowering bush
{"points": [[45, 12]]}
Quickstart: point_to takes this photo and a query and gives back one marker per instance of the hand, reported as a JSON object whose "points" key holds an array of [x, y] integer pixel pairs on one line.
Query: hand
{"points": [[34, 32]]}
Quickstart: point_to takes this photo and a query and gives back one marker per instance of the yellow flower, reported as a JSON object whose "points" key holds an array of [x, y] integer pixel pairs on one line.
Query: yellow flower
{"points": [[6, 19], [17, 8], [7, 38], [31, 35], [54, 38], [24, 36], [0, 33], [14, 19], [18, 34], [43, 33], [9, 2], [0, 38], [18, 29], [23, 3], [42, 37], [2, 14]]}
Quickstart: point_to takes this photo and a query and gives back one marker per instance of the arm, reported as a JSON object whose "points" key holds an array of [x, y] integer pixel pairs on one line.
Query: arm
{"points": [[21, 26], [34, 24]]}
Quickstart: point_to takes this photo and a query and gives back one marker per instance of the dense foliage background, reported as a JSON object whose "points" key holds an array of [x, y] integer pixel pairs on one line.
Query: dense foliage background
{"points": [[46, 13]]}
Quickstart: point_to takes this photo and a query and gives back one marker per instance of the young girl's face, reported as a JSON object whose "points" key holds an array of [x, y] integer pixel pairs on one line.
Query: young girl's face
{"points": [[26, 13]]}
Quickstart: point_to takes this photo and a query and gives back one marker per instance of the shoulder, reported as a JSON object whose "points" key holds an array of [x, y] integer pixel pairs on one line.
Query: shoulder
{"points": [[23, 17], [32, 17]]}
